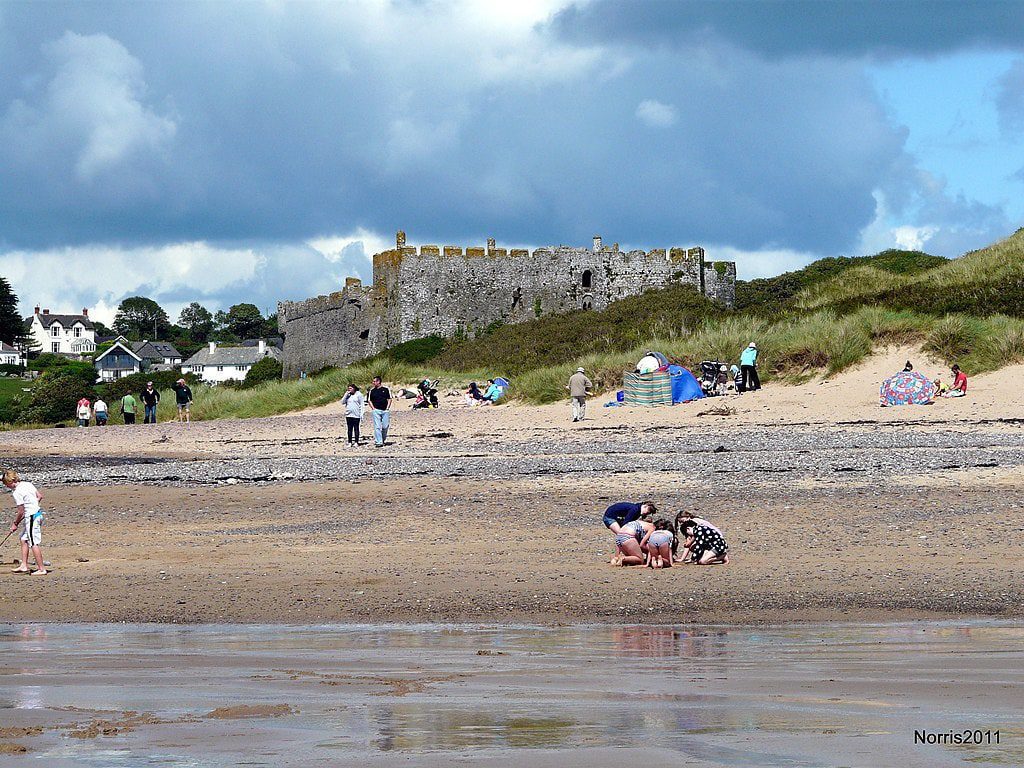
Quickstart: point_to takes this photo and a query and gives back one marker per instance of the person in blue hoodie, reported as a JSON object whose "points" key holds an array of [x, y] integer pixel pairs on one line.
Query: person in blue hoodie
{"points": [[748, 365]]}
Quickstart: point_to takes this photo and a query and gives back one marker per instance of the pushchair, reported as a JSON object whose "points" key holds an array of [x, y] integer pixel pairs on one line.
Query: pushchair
{"points": [[711, 380], [426, 394]]}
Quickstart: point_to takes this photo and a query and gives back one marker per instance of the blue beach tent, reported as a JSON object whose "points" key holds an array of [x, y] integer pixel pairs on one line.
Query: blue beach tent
{"points": [[684, 386]]}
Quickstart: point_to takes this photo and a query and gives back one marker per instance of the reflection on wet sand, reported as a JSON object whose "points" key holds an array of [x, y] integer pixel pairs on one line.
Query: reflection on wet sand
{"points": [[523, 696]]}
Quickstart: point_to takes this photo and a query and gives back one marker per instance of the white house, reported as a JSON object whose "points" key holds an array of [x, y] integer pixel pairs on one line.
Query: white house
{"points": [[10, 355], [71, 335], [216, 364]]}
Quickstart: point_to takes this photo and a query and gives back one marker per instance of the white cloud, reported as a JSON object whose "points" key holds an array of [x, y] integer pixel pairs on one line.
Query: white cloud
{"points": [[102, 276], [93, 105], [656, 114], [751, 265]]}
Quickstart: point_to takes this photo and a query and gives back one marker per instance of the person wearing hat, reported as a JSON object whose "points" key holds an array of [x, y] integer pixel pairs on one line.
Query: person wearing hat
{"points": [[748, 365], [579, 387], [183, 397]]}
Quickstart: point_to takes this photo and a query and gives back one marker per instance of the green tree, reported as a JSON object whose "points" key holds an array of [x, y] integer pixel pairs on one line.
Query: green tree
{"points": [[267, 369], [141, 318], [55, 395], [197, 321], [12, 327], [244, 321]]}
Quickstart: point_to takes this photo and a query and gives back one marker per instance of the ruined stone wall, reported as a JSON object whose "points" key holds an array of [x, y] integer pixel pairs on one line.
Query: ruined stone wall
{"points": [[329, 330], [720, 281], [449, 291]]}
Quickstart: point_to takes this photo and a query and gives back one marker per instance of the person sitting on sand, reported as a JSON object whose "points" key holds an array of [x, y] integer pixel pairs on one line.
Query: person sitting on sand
{"points": [[702, 544], [26, 499], [683, 517], [493, 393], [908, 367], [627, 542], [473, 395], [657, 544], [959, 388]]}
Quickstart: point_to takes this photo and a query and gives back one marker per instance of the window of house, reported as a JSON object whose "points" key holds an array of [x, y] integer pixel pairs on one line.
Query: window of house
{"points": [[78, 331], [220, 367], [587, 278], [55, 330], [55, 346]]}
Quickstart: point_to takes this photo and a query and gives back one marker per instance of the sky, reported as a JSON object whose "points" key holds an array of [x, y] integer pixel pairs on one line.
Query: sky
{"points": [[224, 152]]}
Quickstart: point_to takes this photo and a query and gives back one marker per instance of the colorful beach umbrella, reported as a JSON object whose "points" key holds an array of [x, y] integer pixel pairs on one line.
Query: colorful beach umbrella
{"points": [[906, 388]]}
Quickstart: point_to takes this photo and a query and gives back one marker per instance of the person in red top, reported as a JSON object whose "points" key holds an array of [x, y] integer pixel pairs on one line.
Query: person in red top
{"points": [[959, 388]]}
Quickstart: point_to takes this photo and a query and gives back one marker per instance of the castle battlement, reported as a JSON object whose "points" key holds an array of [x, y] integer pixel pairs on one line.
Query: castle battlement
{"points": [[454, 290]]}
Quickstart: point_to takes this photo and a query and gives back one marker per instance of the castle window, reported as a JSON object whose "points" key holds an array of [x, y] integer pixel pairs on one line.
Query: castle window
{"points": [[587, 278], [365, 334], [517, 296], [588, 302]]}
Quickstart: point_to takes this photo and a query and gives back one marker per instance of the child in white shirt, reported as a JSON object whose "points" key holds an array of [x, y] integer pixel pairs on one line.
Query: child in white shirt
{"points": [[26, 499]]}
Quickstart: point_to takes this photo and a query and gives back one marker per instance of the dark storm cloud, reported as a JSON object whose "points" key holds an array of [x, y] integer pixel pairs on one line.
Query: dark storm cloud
{"points": [[798, 27], [262, 126]]}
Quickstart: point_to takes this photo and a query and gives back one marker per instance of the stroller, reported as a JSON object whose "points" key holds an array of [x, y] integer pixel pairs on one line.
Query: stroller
{"points": [[426, 394], [711, 380]]}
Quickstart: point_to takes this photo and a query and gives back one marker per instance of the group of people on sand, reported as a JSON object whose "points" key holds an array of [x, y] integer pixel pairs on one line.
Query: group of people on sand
{"points": [[644, 538], [86, 410], [957, 389], [489, 396], [355, 403]]}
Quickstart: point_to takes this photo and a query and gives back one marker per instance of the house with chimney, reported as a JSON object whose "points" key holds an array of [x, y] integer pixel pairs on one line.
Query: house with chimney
{"points": [[215, 364], [59, 334]]}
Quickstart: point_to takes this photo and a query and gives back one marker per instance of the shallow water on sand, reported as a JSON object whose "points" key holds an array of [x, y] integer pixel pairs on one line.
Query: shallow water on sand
{"points": [[803, 695]]}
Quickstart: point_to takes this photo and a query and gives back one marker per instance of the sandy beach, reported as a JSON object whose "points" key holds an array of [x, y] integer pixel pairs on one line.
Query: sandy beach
{"points": [[834, 509]]}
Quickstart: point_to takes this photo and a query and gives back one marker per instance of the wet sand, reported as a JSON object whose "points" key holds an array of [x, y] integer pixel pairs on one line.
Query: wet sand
{"points": [[811, 695], [493, 515]]}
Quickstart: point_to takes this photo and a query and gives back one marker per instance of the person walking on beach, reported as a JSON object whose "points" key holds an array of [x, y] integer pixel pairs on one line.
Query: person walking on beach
{"points": [[83, 412], [150, 400], [355, 404], [380, 402], [748, 364], [183, 397], [579, 387], [99, 408], [26, 499], [128, 408]]}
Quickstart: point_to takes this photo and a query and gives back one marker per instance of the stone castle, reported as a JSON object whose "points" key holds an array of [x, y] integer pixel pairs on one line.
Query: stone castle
{"points": [[434, 291]]}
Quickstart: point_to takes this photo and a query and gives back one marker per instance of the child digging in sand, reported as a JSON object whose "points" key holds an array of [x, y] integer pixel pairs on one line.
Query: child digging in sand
{"points": [[26, 499], [658, 545]]}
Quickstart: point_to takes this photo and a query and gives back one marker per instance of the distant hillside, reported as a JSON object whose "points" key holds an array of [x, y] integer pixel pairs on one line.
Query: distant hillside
{"points": [[773, 294], [984, 282]]}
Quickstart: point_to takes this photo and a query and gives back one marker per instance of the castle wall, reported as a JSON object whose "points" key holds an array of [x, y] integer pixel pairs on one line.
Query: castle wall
{"points": [[720, 281], [329, 330], [450, 291]]}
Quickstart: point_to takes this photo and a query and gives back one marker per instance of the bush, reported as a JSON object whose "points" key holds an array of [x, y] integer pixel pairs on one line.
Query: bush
{"points": [[15, 369], [267, 369], [414, 352], [55, 396], [134, 384]]}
